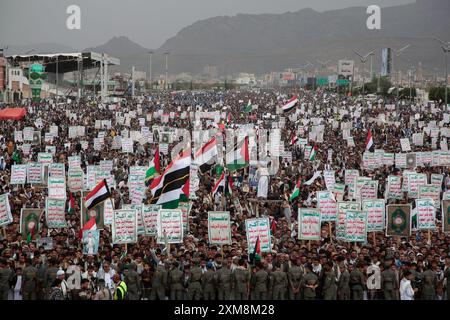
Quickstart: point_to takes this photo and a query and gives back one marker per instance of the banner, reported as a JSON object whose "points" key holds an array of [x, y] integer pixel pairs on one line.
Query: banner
{"points": [[57, 188], [309, 224], [355, 226], [327, 205], [342, 209], [75, 180], [5, 210], [97, 212], [139, 221], [18, 174], [330, 179], [398, 220], [375, 211], [185, 208], [57, 170], [219, 227], [45, 158], [74, 162], [29, 222], [430, 191], [55, 215], [127, 145], [414, 181], [366, 188], [258, 227], [394, 188], [426, 214], [170, 225], [124, 227], [108, 212], [445, 207], [90, 241], [35, 173], [150, 218], [350, 181]]}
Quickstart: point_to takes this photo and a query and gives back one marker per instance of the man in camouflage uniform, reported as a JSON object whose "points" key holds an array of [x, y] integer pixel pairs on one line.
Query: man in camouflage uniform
{"points": [[343, 285], [224, 282], [278, 283], [310, 283], [159, 282], [389, 283], [447, 276], [241, 281], [175, 282], [329, 282], [194, 285], [50, 276], [260, 279], [295, 276], [429, 283], [357, 282], [5, 276], [208, 283], [29, 281], [133, 282]]}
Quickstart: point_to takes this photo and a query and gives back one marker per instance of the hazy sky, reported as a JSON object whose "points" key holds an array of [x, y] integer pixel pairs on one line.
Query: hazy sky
{"points": [[147, 22]]}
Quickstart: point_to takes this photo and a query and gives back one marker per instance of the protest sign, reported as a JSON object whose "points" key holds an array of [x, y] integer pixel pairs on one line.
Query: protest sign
{"points": [[426, 213], [375, 214], [398, 220], [18, 174], [170, 226], [150, 219], [45, 158], [327, 205], [330, 179], [355, 226], [96, 212], [343, 206], [414, 181], [108, 212], [29, 223], [55, 213], [219, 227], [57, 188], [309, 224], [258, 228], [430, 191], [394, 188], [124, 226], [75, 180], [445, 207], [90, 241], [185, 208], [139, 221], [5, 210], [35, 173]]}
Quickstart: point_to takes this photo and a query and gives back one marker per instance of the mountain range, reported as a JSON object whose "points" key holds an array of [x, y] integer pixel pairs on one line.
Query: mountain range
{"points": [[273, 42]]}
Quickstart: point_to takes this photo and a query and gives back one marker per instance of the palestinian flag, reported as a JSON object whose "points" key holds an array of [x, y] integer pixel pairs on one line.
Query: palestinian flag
{"points": [[369, 142], [90, 226], [229, 186], [154, 169], [206, 156], [296, 191], [313, 153], [71, 208], [238, 158], [173, 185], [256, 255], [294, 139], [99, 194], [219, 170], [248, 108], [290, 104]]}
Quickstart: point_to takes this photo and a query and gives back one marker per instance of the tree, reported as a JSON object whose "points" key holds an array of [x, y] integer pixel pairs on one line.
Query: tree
{"points": [[438, 93]]}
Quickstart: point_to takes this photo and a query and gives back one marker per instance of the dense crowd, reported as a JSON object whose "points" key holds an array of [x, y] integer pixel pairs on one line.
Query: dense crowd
{"points": [[415, 267]]}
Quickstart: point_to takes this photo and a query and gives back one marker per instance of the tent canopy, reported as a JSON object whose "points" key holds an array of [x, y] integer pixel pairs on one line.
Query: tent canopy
{"points": [[12, 113]]}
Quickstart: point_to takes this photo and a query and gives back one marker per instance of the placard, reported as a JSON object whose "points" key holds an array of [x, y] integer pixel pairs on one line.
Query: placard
{"points": [[327, 206], [343, 206], [219, 227], [18, 174], [75, 179], [5, 210], [57, 188], [45, 158], [426, 214], [170, 226], [55, 213], [124, 226], [29, 223], [309, 224], [259, 227], [394, 188], [398, 222], [139, 220], [35, 173], [355, 226], [150, 218], [375, 210]]}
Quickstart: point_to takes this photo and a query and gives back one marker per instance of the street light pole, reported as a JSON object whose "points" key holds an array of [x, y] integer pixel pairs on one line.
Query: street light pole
{"points": [[397, 53], [150, 70], [167, 73], [363, 61]]}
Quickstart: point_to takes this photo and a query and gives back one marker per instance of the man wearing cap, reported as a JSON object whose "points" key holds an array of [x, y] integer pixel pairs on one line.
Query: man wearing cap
{"points": [[61, 275], [194, 286], [278, 283], [343, 285], [175, 279], [208, 282], [29, 281], [310, 283], [159, 282], [329, 282], [224, 281], [357, 282], [389, 282]]}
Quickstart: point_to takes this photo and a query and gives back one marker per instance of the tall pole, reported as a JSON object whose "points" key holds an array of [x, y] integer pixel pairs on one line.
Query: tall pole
{"points": [[150, 70], [57, 80], [363, 62], [167, 68], [446, 51]]}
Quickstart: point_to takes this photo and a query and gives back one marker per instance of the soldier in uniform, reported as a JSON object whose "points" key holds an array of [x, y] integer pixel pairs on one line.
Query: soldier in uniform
{"points": [[41, 276], [429, 284], [159, 282], [224, 282], [310, 283], [343, 285], [6, 275], [241, 281], [278, 283], [329, 282], [260, 279], [389, 283], [208, 283], [50, 276], [29, 281], [447, 276], [295, 276], [176, 282], [194, 285], [133, 282], [357, 282]]}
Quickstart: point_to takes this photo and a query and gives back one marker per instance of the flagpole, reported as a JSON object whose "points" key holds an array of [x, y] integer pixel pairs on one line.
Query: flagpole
{"points": [[330, 231]]}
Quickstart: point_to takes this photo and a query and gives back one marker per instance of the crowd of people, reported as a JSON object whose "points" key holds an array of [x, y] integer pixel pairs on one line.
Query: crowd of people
{"points": [[415, 267]]}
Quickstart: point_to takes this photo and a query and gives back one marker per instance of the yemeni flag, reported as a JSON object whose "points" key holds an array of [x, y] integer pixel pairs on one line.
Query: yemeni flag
{"points": [[290, 104], [294, 139], [154, 169], [296, 191], [206, 156], [71, 208], [220, 185], [313, 153], [89, 226], [256, 255], [369, 142], [99, 194], [173, 185], [238, 158], [248, 108]]}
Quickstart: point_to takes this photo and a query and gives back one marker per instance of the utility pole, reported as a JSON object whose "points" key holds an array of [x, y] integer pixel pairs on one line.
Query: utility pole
{"points": [[323, 64], [150, 70], [397, 53], [167, 68], [363, 61], [446, 49], [132, 82]]}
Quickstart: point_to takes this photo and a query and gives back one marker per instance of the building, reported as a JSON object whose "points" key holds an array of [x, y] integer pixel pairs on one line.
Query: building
{"points": [[245, 79]]}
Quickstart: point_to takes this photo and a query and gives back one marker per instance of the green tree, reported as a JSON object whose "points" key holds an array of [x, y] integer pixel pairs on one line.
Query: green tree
{"points": [[438, 93]]}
